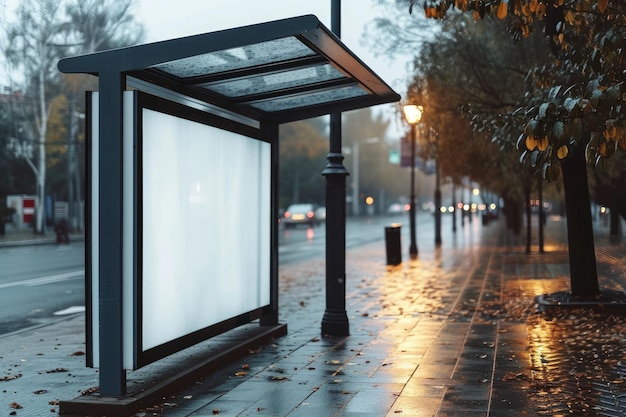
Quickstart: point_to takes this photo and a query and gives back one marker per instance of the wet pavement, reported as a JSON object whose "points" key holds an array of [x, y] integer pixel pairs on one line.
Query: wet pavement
{"points": [[454, 333]]}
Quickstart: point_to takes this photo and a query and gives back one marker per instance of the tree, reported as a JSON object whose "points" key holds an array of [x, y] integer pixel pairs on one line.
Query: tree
{"points": [[397, 32], [364, 134], [468, 80], [610, 183], [93, 25], [16, 175], [98, 25], [302, 154], [45, 31], [574, 103], [32, 49], [577, 98]]}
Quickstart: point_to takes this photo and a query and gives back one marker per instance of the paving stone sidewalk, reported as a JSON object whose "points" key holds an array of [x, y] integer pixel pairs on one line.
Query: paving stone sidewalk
{"points": [[443, 335]]}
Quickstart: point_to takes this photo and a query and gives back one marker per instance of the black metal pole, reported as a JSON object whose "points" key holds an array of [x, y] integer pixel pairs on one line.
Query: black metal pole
{"points": [[112, 373], [413, 246], [437, 207], [469, 197], [335, 320], [454, 206]]}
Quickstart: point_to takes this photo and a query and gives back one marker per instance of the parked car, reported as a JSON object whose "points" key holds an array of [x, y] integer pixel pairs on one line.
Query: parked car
{"points": [[396, 208], [300, 214]]}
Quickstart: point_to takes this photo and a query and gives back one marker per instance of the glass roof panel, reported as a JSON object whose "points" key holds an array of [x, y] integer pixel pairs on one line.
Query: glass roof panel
{"points": [[311, 99], [275, 81], [237, 58]]}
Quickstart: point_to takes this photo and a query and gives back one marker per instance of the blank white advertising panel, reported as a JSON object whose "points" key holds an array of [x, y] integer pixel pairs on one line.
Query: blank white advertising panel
{"points": [[205, 226], [196, 229]]}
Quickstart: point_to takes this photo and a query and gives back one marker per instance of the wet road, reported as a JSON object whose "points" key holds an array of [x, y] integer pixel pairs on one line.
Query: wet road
{"points": [[37, 283]]}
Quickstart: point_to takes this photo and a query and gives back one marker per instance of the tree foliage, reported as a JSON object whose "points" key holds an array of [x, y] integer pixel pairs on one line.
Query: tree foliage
{"points": [[366, 130], [577, 99], [469, 81], [15, 175], [32, 48], [304, 147], [302, 155], [573, 108], [396, 32], [98, 25]]}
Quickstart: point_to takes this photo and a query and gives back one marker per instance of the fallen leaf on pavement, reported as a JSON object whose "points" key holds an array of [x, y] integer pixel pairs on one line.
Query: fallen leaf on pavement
{"points": [[57, 370], [89, 390], [510, 376]]}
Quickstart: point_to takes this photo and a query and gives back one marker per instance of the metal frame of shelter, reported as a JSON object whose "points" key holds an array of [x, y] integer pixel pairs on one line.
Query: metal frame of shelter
{"points": [[254, 77]]}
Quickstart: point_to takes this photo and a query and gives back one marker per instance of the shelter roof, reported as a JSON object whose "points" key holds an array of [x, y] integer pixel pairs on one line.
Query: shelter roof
{"points": [[282, 71]]}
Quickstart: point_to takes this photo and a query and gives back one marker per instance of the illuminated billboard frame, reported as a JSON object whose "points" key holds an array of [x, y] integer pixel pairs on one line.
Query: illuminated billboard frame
{"points": [[197, 228]]}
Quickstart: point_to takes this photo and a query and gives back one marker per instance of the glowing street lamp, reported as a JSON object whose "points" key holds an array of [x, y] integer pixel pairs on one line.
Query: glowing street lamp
{"points": [[413, 115]]}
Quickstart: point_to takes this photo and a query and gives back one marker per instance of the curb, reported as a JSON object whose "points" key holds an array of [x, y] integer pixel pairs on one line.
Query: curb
{"points": [[37, 241], [609, 301]]}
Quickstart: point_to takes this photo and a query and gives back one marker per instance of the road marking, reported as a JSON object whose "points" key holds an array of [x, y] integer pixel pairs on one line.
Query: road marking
{"points": [[70, 310], [43, 280]]}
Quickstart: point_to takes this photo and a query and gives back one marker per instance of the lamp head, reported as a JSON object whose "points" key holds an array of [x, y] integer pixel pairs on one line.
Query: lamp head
{"points": [[412, 113]]}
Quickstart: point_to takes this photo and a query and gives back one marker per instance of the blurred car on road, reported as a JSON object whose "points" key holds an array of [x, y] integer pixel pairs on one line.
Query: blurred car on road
{"points": [[300, 214], [396, 208]]}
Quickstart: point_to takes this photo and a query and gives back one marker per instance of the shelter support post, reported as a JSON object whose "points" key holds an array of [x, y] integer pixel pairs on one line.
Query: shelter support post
{"points": [[112, 373]]}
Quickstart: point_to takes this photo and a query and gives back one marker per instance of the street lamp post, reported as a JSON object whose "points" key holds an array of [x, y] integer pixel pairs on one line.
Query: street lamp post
{"points": [[454, 206], [413, 115], [433, 143], [437, 207], [335, 321], [469, 198]]}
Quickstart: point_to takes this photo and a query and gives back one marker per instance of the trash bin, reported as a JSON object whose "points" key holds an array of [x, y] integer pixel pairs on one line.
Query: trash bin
{"points": [[392, 244]]}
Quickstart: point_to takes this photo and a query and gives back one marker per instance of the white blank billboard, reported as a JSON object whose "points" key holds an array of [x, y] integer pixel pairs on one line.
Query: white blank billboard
{"points": [[205, 214], [196, 229]]}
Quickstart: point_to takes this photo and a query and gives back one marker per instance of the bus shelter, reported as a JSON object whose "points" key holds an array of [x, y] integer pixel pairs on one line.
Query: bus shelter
{"points": [[183, 154]]}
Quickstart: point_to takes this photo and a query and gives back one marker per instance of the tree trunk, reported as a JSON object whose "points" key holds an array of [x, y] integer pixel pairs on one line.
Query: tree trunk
{"points": [[41, 166], [41, 194], [528, 216], [540, 214], [512, 214], [582, 258]]}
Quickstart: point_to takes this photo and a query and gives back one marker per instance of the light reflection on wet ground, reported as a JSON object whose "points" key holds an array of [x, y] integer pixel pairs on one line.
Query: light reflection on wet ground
{"points": [[577, 364], [453, 333], [577, 357]]}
